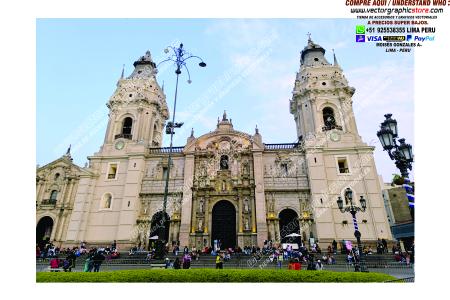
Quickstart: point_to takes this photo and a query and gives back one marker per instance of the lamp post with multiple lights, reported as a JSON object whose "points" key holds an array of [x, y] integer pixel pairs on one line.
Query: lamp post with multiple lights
{"points": [[179, 58], [351, 208], [400, 153]]}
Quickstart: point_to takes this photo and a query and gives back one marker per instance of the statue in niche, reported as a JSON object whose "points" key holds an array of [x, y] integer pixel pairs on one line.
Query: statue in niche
{"points": [[224, 162], [201, 205], [203, 169], [246, 206], [200, 224], [246, 224], [246, 168], [224, 185]]}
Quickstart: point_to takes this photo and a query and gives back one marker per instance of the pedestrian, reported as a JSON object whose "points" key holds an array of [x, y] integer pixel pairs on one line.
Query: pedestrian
{"points": [[186, 261], [167, 263], [88, 264], [319, 265], [66, 265], [177, 263], [311, 264], [280, 260], [385, 246], [54, 264], [218, 261], [98, 259]]}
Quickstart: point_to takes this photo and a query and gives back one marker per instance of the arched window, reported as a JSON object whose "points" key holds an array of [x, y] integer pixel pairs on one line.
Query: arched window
{"points": [[127, 125], [106, 201], [328, 118], [224, 162], [53, 196]]}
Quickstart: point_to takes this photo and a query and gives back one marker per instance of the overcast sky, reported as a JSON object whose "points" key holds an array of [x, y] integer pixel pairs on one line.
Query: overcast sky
{"points": [[251, 66]]}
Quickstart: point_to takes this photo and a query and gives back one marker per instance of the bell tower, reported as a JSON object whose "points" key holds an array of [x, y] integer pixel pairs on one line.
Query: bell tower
{"points": [[137, 109], [322, 98], [336, 156]]}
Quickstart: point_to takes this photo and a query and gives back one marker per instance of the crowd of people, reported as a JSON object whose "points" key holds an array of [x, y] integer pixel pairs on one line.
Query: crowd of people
{"points": [[276, 253], [65, 258]]}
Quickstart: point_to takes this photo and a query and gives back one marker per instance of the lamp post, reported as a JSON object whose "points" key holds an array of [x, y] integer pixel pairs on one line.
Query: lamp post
{"points": [[351, 208], [179, 58], [400, 153]]}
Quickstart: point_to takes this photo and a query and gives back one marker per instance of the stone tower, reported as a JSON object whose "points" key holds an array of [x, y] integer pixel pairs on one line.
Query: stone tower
{"points": [[110, 199], [138, 108], [336, 157]]}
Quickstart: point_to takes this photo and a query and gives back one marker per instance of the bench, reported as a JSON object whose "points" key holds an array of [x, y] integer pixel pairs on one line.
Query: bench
{"points": [[158, 266], [50, 269]]}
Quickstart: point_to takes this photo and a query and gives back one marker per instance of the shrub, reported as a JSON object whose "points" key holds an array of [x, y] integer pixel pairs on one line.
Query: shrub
{"points": [[212, 275]]}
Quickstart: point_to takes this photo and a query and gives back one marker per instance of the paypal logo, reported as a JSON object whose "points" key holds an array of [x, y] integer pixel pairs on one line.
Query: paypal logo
{"points": [[424, 38]]}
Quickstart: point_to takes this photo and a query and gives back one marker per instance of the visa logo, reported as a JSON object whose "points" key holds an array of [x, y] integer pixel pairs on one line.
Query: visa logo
{"points": [[374, 38]]}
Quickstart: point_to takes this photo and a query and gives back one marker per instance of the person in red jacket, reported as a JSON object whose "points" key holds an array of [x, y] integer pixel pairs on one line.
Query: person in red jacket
{"points": [[54, 264]]}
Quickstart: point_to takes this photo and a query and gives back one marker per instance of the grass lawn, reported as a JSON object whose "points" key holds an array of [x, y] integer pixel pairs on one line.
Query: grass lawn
{"points": [[211, 275]]}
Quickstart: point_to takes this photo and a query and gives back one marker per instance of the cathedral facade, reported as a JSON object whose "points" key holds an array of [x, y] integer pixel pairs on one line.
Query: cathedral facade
{"points": [[225, 185]]}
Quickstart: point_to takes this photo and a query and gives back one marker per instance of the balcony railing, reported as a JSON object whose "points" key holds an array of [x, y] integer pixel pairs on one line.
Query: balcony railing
{"points": [[281, 146], [123, 135], [343, 170], [48, 202], [329, 127], [166, 150]]}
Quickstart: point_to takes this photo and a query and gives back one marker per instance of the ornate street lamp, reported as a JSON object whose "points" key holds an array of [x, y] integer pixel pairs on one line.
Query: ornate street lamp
{"points": [[400, 153], [179, 58], [351, 208]]}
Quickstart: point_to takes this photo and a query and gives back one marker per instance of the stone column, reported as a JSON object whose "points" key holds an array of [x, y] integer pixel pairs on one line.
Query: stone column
{"points": [[240, 229], [108, 130], [276, 224], [113, 123], [271, 231], [206, 212], [176, 233], [260, 200], [152, 132], [186, 205], [194, 214], [40, 191], [252, 215], [316, 123]]}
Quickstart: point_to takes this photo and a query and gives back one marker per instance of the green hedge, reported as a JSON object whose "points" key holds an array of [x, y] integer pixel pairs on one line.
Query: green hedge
{"points": [[211, 275]]}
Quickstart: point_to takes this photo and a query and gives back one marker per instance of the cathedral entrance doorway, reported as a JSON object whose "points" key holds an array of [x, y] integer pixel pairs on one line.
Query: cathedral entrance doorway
{"points": [[289, 224], [156, 227], [44, 231], [224, 224]]}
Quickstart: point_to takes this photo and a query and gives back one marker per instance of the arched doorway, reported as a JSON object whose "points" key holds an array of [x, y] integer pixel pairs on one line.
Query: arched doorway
{"points": [[289, 224], [224, 224], [44, 231], [156, 226]]}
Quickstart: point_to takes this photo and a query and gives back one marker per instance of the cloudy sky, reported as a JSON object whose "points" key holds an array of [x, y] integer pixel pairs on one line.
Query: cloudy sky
{"points": [[251, 66]]}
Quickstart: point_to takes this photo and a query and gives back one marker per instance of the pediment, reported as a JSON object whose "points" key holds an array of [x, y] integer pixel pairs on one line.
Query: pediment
{"points": [[219, 141]]}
